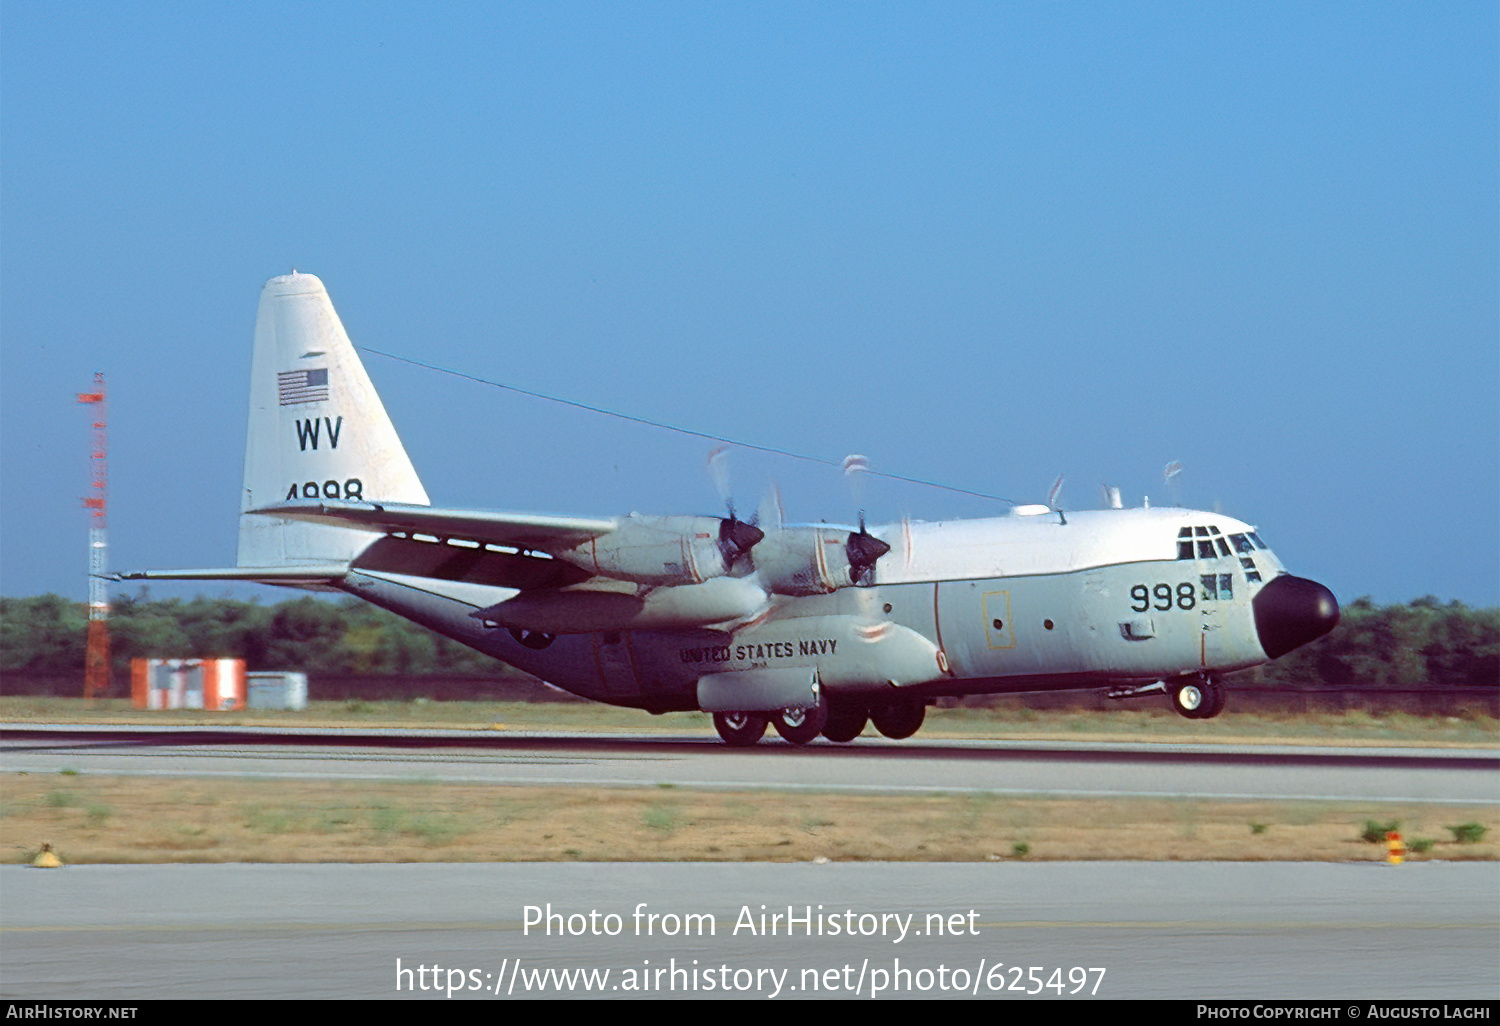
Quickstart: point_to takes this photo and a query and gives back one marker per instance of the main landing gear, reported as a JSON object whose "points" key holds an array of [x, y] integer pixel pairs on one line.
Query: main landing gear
{"points": [[898, 720], [740, 729], [845, 722], [839, 721], [798, 726]]}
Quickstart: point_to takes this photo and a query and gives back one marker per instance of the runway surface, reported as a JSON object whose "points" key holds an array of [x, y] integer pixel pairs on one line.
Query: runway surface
{"points": [[1062, 769], [1064, 931]]}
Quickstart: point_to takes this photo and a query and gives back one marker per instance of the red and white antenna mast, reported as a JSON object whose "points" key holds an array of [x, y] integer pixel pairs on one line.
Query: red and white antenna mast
{"points": [[96, 659]]}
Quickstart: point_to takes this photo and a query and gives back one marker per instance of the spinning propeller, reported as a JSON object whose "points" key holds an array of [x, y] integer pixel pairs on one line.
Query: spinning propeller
{"points": [[736, 538], [863, 548], [796, 560]]}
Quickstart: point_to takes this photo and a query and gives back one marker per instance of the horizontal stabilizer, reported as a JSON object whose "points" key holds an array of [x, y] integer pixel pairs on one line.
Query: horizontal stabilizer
{"points": [[307, 576], [516, 530]]}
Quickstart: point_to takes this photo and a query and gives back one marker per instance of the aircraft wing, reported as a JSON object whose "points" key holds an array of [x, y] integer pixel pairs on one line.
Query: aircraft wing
{"points": [[515, 530], [523, 532]]}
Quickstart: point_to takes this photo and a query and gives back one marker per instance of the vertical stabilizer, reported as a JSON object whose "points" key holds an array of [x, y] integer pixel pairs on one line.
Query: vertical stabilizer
{"points": [[317, 431]]}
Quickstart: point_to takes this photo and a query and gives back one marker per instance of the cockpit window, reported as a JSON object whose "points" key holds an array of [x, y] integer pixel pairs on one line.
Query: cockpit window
{"points": [[1208, 543], [1258, 543]]}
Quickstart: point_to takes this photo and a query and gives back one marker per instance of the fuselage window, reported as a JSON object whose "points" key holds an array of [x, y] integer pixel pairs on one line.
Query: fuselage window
{"points": [[1217, 586]]}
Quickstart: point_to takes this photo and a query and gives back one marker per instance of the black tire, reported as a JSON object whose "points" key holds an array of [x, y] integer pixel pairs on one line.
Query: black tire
{"points": [[898, 720], [1198, 699], [1216, 700], [798, 726], [740, 729], [845, 723]]}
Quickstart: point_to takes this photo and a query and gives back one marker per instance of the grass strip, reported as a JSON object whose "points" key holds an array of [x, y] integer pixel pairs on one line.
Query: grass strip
{"points": [[108, 819]]}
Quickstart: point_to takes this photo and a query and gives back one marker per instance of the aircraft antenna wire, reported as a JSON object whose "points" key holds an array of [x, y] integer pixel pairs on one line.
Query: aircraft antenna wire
{"points": [[772, 450]]}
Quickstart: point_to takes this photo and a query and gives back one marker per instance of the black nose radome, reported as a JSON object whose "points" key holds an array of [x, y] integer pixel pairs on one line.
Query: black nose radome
{"points": [[1291, 611]]}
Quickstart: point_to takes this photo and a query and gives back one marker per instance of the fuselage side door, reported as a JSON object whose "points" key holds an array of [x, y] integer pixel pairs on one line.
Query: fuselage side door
{"points": [[612, 653]]}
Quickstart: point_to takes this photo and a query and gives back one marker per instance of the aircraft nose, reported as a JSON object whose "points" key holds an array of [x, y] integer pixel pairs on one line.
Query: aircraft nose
{"points": [[1291, 611]]}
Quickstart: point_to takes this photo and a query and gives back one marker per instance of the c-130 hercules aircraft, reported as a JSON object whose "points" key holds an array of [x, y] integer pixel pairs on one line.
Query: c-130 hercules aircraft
{"points": [[815, 629]]}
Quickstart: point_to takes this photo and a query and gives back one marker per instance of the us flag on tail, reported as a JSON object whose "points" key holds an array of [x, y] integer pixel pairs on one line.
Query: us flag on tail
{"points": [[302, 386]]}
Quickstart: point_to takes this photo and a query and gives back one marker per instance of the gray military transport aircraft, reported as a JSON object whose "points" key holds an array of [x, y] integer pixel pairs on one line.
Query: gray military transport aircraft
{"points": [[815, 629]]}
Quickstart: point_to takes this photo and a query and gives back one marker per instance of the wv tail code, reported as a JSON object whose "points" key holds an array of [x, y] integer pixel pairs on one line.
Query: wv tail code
{"points": [[309, 431]]}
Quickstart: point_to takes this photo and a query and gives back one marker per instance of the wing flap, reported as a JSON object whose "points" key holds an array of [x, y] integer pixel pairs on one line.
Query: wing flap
{"points": [[515, 530], [469, 565]]}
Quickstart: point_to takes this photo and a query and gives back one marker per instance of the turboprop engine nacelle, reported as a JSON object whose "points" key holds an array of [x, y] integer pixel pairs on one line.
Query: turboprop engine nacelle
{"points": [[665, 551], [817, 560], [615, 606]]}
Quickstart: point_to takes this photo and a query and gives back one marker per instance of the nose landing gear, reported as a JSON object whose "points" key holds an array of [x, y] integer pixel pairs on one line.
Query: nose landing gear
{"points": [[1198, 698]]}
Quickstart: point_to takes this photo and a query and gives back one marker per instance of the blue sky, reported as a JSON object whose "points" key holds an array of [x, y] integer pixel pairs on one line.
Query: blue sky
{"points": [[982, 244]]}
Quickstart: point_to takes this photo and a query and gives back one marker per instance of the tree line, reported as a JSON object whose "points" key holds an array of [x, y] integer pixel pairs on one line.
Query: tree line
{"points": [[46, 635], [1424, 643]]}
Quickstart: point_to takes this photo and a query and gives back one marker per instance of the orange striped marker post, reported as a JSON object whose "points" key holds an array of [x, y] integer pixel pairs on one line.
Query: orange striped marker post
{"points": [[1395, 849]]}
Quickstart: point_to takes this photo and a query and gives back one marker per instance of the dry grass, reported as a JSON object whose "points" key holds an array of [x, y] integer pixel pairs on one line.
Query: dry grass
{"points": [[123, 819]]}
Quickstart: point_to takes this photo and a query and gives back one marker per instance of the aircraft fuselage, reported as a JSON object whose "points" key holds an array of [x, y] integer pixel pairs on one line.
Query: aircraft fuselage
{"points": [[1084, 623]]}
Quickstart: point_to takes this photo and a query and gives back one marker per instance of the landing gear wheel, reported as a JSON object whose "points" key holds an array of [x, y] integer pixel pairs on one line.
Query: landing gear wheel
{"points": [[898, 720], [740, 729], [845, 723], [799, 725], [1215, 704], [1198, 699]]}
